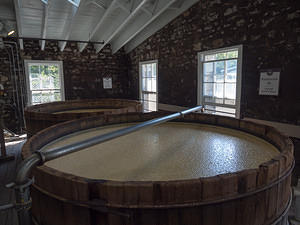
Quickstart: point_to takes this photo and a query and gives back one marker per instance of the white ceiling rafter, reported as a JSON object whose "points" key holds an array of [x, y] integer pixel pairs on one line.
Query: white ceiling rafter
{"points": [[110, 8], [18, 19], [98, 3], [177, 5], [121, 26], [147, 11], [127, 7], [44, 26], [132, 4], [69, 25], [115, 22], [145, 21], [150, 10], [153, 27]]}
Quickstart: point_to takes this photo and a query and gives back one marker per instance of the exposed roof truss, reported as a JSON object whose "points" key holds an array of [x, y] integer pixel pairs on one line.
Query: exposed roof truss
{"points": [[116, 22]]}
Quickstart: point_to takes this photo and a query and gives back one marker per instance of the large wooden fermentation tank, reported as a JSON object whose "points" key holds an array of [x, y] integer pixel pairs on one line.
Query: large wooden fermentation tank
{"points": [[230, 194], [39, 117]]}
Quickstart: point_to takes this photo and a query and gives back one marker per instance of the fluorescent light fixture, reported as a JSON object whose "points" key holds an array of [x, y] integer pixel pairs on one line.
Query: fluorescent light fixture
{"points": [[10, 32], [45, 1]]}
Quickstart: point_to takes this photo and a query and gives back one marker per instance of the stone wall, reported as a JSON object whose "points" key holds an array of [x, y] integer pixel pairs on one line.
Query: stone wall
{"points": [[84, 72], [83, 75], [11, 97], [269, 32]]}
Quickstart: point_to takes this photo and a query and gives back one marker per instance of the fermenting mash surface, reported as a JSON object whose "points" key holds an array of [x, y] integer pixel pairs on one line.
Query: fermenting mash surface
{"points": [[170, 151], [82, 111]]}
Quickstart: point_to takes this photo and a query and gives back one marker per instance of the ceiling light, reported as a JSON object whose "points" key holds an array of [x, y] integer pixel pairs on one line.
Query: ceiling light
{"points": [[10, 32]]}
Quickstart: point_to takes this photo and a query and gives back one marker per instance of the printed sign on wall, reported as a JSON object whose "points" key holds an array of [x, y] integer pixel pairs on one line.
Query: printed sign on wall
{"points": [[107, 82], [269, 82]]}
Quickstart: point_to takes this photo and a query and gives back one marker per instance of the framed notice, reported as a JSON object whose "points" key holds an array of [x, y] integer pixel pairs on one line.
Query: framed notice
{"points": [[269, 82], [107, 82]]}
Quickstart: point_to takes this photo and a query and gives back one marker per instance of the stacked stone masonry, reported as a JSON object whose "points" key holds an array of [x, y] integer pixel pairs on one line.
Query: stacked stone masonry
{"points": [[269, 32]]}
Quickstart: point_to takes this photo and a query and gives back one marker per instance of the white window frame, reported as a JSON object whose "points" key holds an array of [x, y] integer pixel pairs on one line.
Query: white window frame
{"points": [[239, 77], [43, 62], [140, 80]]}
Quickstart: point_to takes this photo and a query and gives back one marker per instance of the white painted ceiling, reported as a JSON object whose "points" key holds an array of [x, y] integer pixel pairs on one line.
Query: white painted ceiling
{"points": [[122, 23]]}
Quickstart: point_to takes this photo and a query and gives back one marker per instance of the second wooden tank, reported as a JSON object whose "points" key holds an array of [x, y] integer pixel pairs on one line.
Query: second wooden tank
{"points": [[39, 117]]}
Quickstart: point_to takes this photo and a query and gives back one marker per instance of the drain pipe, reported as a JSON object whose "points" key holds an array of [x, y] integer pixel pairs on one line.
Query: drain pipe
{"points": [[11, 75], [22, 182], [16, 83], [20, 78]]}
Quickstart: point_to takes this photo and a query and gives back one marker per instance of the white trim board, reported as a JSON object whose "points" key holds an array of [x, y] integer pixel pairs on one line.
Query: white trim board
{"points": [[287, 129]]}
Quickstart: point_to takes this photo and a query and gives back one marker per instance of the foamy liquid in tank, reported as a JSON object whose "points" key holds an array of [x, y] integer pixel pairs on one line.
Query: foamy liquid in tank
{"points": [[169, 151]]}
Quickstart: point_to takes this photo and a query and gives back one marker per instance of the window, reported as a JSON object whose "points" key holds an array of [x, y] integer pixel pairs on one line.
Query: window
{"points": [[148, 85], [219, 81], [44, 81]]}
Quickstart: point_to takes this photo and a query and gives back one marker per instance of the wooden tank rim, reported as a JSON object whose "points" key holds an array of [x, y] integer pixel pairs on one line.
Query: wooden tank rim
{"points": [[46, 111], [265, 174]]}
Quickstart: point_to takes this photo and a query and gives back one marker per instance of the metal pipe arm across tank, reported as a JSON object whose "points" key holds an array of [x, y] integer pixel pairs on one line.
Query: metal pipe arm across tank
{"points": [[39, 157]]}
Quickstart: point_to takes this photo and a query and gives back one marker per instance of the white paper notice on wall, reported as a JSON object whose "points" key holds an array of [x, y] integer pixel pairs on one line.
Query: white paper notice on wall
{"points": [[269, 82], [107, 82]]}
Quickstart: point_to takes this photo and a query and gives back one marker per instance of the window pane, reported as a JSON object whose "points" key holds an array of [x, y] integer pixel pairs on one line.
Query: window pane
{"points": [[44, 70], [48, 96], [222, 55], [54, 76], [230, 90], [153, 85], [148, 84], [35, 84], [152, 106], [57, 96], [208, 89], [144, 71], [210, 107], [218, 90], [213, 100], [231, 70], [46, 83], [149, 101], [149, 70], [34, 69], [36, 97], [154, 69], [208, 70], [232, 54], [34, 75], [219, 71], [210, 57]]}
